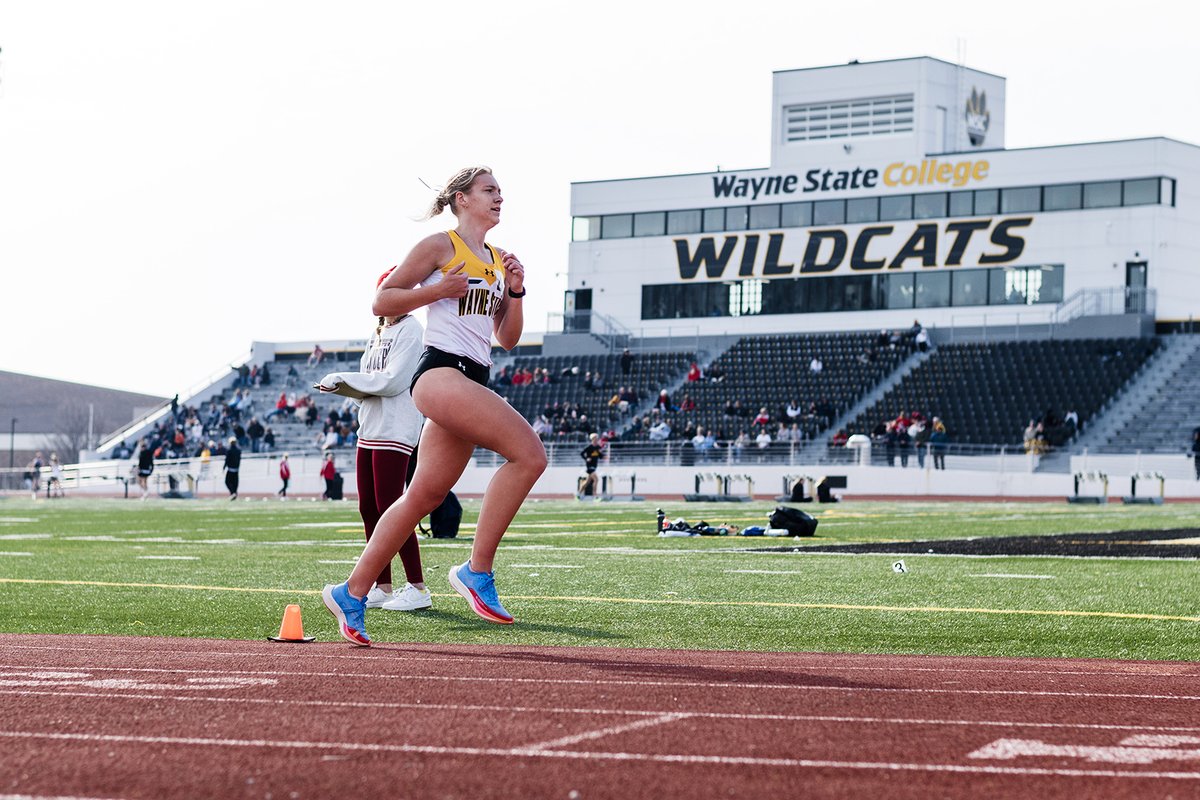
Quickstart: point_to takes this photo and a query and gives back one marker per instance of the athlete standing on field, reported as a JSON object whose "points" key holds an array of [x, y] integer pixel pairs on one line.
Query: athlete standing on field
{"points": [[389, 426], [472, 290]]}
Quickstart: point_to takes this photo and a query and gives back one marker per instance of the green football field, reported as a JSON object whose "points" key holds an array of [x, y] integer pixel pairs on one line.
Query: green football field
{"points": [[588, 574]]}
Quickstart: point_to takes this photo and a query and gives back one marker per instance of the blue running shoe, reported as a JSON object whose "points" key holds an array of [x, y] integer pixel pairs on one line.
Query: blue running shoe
{"points": [[348, 612], [479, 589]]}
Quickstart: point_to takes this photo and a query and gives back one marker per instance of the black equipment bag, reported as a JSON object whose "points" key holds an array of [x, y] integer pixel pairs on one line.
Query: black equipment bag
{"points": [[793, 520], [445, 519], [336, 487]]}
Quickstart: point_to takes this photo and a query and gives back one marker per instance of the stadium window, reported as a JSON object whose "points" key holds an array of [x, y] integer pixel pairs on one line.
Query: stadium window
{"points": [[987, 201], [795, 215], [928, 206], [897, 290], [895, 207], [683, 222], [829, 212], [617, 226], [933, 289], [714, 220], [1065, 197], [1025, 198], [736, 218], [650, 223], [962, 204], [1052, 283], [1105, 194], [584, 229], [862, 209], [764, 216], [746, 297], [969, 287], [1141, 192]]}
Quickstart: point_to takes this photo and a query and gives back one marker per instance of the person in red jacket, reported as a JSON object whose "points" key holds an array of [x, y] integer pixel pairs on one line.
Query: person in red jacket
{"points": [[328, 472], [285, 475]]}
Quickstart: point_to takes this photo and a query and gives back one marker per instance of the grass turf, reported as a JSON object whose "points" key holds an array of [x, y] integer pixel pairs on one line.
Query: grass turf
{"points": [[595, 574]]}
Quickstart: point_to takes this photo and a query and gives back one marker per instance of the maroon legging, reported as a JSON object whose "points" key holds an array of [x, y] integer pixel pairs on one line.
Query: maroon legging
{"points": [[380, 483]]}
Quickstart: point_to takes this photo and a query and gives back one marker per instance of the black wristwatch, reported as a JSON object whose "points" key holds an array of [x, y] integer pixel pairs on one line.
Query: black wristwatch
{"points": [[511, 293]]}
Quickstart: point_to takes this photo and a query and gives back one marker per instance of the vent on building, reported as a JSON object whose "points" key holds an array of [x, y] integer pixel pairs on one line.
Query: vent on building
{"points": [[869, 116]]}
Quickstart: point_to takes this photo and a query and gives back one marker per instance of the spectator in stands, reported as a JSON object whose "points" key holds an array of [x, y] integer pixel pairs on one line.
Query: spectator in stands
{"points": [[815, 366], [233, 463], [626, 362], [1071, 422], [687, 404], [503, 378], [268, 441], [281, 407], [715, 373], [919, 433], [255, 431], [694, 373], [839, 439], [663, 403], [762, 418], [316, 356], [542, 426], [264, 375], [739, 446], [1196, 451], [1029, 438], [891, 440], [661, 431], [763, 441], [292, 377], [938, 441], [792, 410], [883, 339], [921, 340]]}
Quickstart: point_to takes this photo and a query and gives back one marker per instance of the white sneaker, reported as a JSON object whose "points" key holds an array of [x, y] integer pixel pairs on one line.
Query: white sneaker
{"points": [[410, 598], [377, 597]]}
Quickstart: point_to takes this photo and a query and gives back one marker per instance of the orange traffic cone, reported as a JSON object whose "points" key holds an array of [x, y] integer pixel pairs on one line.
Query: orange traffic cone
{"points": [[292, 628]]}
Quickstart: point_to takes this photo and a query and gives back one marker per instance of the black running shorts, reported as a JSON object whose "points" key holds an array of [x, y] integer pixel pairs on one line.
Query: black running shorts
{"points": [[434, 358]]}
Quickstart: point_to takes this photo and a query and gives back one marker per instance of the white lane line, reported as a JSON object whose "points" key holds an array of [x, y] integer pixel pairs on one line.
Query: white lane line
{"points": [[588, 736], [168, 558], [546, 566], [1010, 575], [346, 561], [1176, 731], [662, 758], [14, 537], [13, 553], [732, 685], [47, 797], [1136, 670], [764, 572]]}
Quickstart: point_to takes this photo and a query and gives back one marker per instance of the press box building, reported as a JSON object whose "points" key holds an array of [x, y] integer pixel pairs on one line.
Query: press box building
{"points": [[890, 196]]}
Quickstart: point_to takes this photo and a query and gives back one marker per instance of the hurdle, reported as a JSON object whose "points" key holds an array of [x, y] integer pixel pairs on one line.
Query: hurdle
{"points": [[722, 484], [1083, 478], [1132, 498], [608, 483]]}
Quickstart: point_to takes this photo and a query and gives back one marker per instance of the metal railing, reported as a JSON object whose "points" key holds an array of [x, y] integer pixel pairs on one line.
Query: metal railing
{"points": [[1105, 301]]}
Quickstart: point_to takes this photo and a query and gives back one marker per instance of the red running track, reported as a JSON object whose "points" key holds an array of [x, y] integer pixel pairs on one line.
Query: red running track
{"points": [[115, 717]]}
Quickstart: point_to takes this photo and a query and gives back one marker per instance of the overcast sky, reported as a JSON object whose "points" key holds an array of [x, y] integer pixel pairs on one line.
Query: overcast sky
{"points": [[178, 180]]}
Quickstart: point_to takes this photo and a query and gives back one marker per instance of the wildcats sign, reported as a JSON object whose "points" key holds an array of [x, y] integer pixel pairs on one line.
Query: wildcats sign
{"points": [[874, 247]]}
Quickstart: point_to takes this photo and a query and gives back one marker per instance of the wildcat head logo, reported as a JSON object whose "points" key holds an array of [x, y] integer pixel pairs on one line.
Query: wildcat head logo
{"points": [[978, 117]]}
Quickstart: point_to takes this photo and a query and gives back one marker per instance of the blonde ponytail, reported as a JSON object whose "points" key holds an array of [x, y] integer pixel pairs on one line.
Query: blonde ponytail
{"points": [[461, 181]]}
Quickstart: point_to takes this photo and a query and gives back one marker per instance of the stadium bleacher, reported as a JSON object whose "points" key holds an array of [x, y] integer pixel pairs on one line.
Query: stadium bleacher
{"points": [[987, 393]]}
